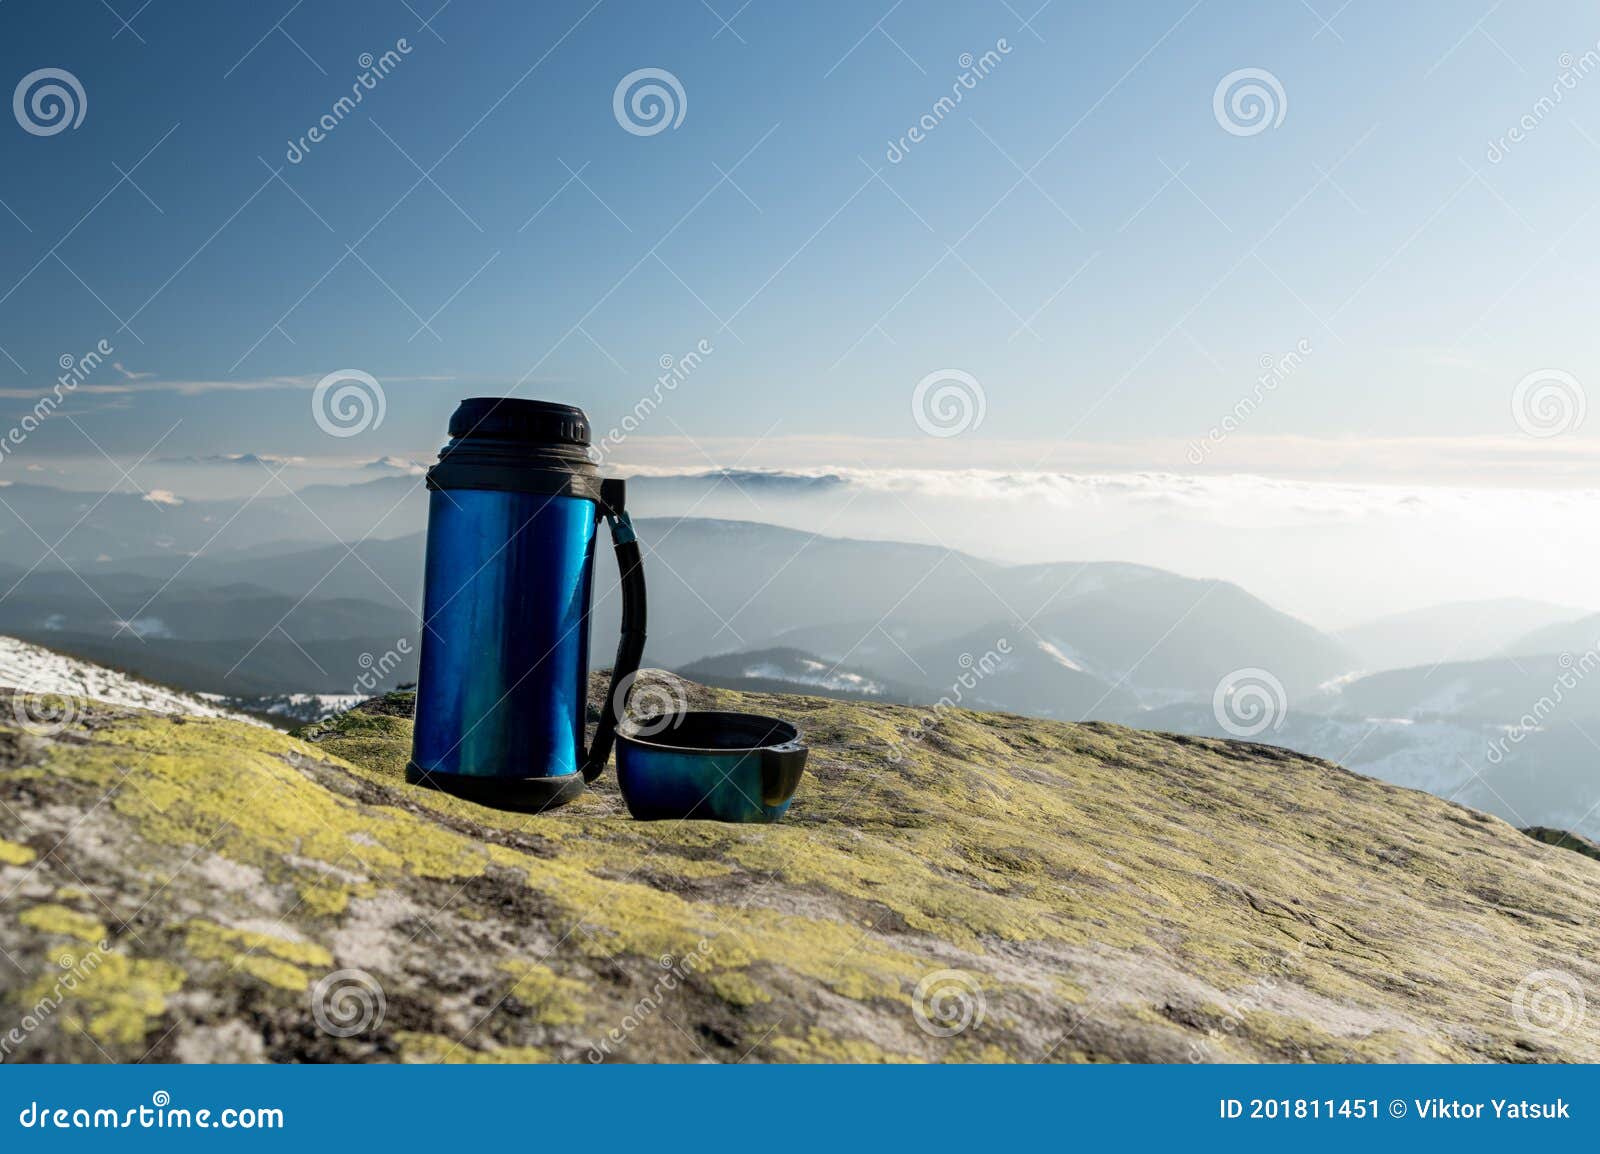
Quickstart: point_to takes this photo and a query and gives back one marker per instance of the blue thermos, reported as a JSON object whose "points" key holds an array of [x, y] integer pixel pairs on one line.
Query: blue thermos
{"points": [[513, 509]]}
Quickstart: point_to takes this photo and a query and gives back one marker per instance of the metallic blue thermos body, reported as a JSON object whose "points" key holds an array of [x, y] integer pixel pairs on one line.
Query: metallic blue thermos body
{"points": [[514, 506]]}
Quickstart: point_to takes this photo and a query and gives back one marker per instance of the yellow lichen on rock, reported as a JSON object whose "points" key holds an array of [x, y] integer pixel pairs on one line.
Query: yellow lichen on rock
{"points": [[433, 1050], [274, 960], [111, 997], [273, 972], [264, 809], [218, 943], [1098, 892], [555, 1001], [819, 1045], [54, 919], [327, 900]]}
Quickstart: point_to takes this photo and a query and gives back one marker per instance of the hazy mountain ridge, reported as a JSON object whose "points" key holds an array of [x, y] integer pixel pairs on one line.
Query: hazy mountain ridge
{"points": [[1574, 637], [1460, 631], [1107, 640]]}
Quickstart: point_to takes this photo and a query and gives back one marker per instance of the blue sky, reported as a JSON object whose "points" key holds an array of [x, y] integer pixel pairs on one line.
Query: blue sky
{"points": [[1081, 235]]}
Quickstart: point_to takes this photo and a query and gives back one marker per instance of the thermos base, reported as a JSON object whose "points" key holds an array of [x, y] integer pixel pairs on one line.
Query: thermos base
{"points": [[522, 794]]}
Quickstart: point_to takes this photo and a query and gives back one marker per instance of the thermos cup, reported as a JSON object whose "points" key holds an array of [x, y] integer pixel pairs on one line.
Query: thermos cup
{"points": [[514, 506]]}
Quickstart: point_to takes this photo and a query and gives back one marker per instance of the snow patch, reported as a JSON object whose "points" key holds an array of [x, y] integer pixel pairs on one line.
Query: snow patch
{"points": [[33, 669], [814, 673]]}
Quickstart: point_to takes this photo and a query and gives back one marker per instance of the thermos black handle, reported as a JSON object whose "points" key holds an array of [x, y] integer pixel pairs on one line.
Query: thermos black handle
{"points": [[630, 645]]}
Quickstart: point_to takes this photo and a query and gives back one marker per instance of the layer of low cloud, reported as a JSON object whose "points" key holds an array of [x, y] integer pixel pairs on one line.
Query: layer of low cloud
{"points": [[395, 464], [133, 382], [269, 460], [1483, 461], [1331, 552]]}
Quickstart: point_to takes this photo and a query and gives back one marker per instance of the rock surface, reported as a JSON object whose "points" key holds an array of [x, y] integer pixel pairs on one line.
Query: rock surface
{"points": [[946, 887], [1566, 839]]}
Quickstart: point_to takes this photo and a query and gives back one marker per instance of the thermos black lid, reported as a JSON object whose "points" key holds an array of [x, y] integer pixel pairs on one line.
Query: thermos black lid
{"points": [[512, 445], [513, 419]]}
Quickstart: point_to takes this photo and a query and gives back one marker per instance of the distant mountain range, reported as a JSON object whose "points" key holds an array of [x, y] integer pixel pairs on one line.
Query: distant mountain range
{"points": [[40, 523], [1491, 702], [232, 637], [782, 670], [45, 524], [1462, 631], [1574, 636]]}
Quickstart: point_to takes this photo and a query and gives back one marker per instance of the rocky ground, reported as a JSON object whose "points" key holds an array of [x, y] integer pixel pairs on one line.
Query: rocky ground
{"points": [[960, 887]]}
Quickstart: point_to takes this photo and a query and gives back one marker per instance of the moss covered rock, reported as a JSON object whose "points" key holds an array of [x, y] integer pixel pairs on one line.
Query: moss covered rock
{"points": [[947, 886], [1565, 839]]}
